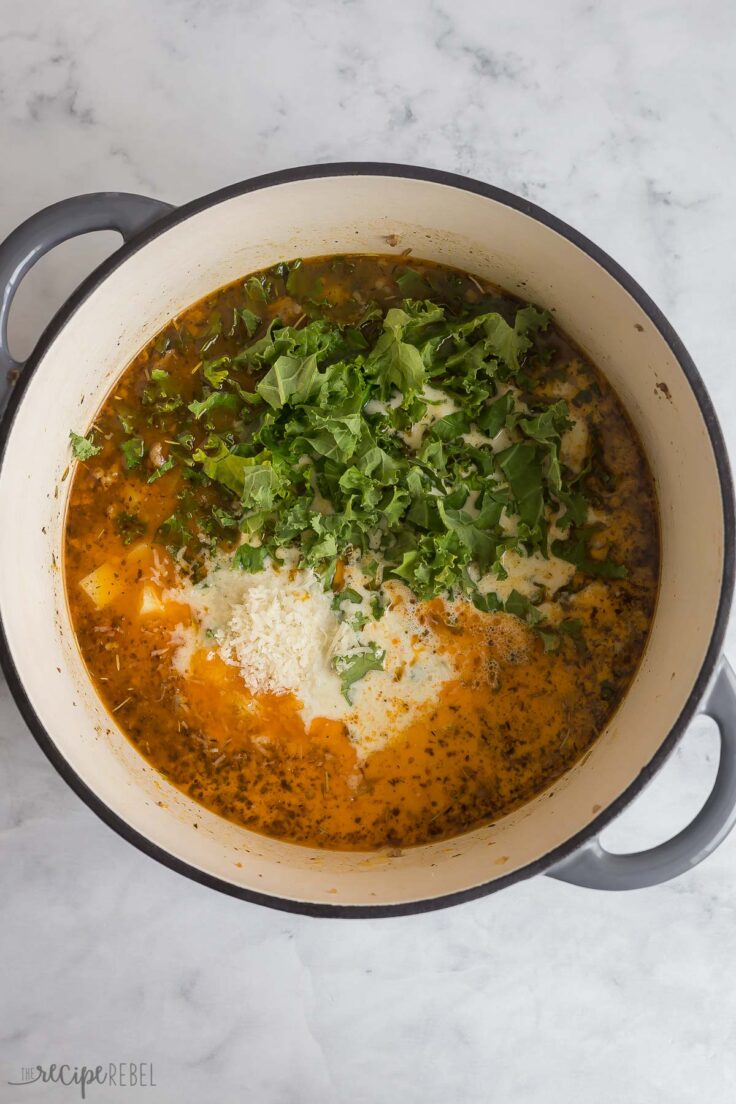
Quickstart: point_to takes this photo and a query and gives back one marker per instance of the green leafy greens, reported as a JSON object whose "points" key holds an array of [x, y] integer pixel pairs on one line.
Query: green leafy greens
{"points": [[346, 446], [83, 448], [412, 438], [351, 668]]}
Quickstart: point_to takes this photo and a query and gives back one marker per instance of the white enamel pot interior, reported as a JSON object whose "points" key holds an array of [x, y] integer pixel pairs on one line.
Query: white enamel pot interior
{"points": [[196, 250]]}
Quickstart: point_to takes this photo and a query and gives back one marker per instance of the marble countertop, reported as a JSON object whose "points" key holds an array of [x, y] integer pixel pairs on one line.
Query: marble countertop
{"points": [[619, 119]]}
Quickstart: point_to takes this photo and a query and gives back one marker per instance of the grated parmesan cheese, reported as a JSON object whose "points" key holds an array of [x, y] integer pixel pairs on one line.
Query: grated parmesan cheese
{"points": [[279, 629], [276, 625]]}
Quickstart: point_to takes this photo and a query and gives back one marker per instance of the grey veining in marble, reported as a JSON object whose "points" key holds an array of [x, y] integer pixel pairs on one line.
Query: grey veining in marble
{"points": [[618, 118]]}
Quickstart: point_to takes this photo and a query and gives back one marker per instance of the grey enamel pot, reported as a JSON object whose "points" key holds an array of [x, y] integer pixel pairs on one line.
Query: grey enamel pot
{"points": [[172, 257]]}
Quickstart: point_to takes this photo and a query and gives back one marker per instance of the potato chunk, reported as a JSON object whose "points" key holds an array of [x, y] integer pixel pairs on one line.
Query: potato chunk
{"points": [[139, 556], [103, 585], [150, 601]]}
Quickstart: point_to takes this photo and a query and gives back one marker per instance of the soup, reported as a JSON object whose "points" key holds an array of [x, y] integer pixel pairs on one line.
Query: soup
{"points": [[361, 552]]}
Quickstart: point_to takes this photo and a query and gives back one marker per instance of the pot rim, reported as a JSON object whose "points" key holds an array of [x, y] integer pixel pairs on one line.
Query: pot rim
{"points": [[683, 358]]}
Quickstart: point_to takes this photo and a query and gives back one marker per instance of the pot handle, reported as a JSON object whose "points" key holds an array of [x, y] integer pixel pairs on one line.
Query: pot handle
{"points": [[122, 211], [592, 867]]}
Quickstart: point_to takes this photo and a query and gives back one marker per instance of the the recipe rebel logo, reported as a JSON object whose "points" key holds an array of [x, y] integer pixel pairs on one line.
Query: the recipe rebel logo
{"points": [[120, 1075]]}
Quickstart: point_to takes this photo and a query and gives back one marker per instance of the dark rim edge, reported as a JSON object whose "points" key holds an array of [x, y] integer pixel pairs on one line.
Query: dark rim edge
{"points": [[489, 191]]}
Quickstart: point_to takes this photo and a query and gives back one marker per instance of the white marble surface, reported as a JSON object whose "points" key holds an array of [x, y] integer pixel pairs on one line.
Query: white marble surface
{"points": [[617, 117]]}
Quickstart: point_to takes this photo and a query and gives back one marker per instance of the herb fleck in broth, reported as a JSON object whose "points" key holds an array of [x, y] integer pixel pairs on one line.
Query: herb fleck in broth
{"points": [[461, 507]]}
